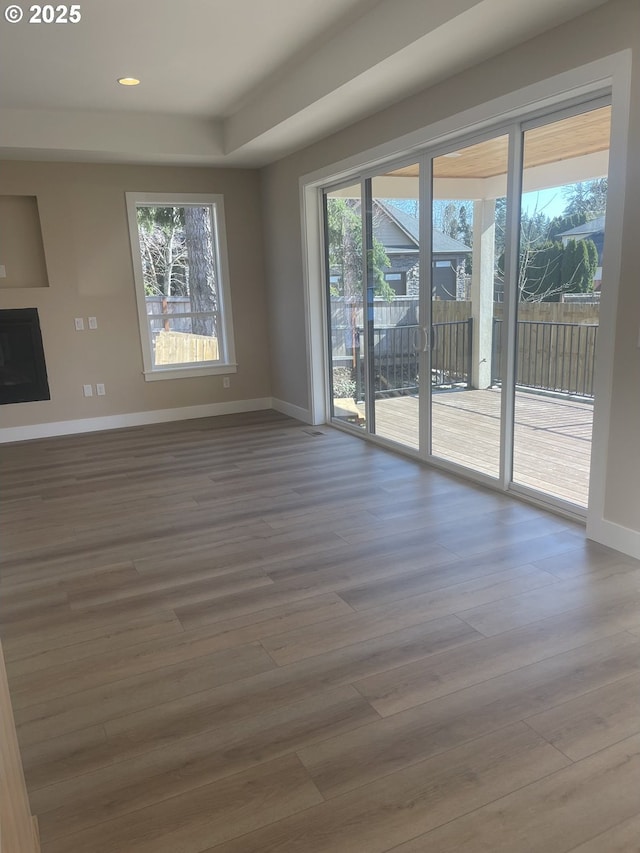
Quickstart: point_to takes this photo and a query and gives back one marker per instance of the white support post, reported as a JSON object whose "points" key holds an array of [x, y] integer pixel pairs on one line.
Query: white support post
{"points": [[482, 290]]}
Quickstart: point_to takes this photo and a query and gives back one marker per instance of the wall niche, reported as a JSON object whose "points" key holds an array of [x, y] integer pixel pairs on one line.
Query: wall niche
{"points": [[22, 258]]}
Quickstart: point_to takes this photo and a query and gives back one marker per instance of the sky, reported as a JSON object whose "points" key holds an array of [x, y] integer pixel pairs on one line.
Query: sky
{"points": [[550, 202]]}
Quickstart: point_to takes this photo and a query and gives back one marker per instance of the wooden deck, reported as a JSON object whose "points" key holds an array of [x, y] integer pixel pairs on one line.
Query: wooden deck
{"points": [[552, 436]]}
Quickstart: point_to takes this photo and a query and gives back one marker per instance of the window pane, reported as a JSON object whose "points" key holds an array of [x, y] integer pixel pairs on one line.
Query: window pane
{"points": [[343, 225], [394, 305], [178, 252], [469, 217], [177, 247], [562, 228]]}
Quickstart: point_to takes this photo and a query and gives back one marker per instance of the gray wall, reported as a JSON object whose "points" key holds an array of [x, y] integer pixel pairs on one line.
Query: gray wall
{"points": [[86, 241]]}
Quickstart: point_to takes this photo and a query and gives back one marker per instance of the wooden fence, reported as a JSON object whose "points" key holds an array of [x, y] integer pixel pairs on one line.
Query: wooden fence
{"points": [[184, 348], [403, 311], [553, 312]]}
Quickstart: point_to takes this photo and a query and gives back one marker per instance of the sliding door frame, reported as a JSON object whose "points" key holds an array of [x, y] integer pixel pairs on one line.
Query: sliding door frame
{"points": [[510, 113], [567, 109]]}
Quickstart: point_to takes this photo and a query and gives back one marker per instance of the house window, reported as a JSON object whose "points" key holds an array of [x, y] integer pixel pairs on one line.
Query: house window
{"points": [[397, 281], [181, 275]]}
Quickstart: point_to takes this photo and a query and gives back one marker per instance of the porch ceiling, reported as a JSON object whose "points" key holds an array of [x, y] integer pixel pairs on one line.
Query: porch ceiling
{"points": [[569, 139]]}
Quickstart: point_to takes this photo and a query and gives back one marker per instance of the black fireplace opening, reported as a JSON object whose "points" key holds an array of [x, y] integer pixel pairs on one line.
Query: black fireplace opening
{"points": [[23, 372]]}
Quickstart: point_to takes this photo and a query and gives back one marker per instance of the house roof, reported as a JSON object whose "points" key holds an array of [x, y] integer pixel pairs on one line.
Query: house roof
{"points": [[593, 226], [442, 243], [591, 230]]}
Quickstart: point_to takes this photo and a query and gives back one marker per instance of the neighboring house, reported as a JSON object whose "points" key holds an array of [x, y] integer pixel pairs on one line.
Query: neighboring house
{"points": [[398, 233], [592, 230]]}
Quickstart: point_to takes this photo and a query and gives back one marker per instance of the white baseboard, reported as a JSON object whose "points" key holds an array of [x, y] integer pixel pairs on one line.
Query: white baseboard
{"points": [[48, 430], [292, 411], [615, 536]]}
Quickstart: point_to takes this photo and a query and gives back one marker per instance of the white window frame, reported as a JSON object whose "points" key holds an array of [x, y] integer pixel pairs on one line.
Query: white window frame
{"points": [[226, 363]]}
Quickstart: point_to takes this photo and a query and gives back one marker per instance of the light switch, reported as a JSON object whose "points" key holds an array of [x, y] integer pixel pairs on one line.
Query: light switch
{"points": [[87, 390], [3, 271], [93, 322], [79, 324]]}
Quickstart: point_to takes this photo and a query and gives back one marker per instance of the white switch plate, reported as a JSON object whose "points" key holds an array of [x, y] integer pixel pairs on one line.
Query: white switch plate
{"points": [[93, 322], [3, 271], [79, 324], [100, 391], [226, 382], [87, 390]]}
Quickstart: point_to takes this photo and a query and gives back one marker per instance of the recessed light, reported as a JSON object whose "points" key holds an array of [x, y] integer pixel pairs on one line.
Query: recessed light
{"points": [[128, 81]]}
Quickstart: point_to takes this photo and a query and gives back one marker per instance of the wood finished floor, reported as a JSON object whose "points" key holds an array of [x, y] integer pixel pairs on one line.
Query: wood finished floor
{"points": [[236, 635]]}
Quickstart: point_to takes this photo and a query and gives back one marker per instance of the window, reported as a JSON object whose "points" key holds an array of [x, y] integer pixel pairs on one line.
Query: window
{"points": [[182, 284], [397, 281]]}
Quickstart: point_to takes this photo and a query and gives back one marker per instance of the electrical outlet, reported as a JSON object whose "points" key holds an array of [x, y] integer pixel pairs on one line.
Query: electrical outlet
{"points": [[87, 390], [93, 322], [226, 382], [79, 324], [100, 391]]}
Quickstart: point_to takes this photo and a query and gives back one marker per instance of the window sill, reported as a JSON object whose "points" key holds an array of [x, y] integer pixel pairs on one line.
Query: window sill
{"points": [[189, 372]]}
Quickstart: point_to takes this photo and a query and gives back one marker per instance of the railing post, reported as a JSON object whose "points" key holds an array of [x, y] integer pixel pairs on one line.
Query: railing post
{"points": [[469, 352], [357, 365], [496, 352]]}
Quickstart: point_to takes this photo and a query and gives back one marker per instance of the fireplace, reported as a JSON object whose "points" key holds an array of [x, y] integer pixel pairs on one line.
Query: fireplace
{"points": [[23, 372]]}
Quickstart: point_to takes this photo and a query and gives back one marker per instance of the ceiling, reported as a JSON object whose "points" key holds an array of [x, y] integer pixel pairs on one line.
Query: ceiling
{"points": [[567, 139], [236, 82]]}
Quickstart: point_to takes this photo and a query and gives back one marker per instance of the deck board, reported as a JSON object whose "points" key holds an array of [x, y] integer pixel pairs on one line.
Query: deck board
{"points": [[552, 436]]}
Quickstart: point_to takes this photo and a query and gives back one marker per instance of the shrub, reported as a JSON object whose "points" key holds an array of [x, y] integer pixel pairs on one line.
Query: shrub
{"points": [[344, 384]]}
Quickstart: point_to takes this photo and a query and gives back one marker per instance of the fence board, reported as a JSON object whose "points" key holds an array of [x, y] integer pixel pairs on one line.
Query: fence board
{"points": [[183, 348], [403, 311]]}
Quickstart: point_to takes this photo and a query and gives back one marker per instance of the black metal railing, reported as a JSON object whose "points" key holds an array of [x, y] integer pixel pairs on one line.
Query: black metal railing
{"points": [[451, 353], [396, 357], [557, 357]]}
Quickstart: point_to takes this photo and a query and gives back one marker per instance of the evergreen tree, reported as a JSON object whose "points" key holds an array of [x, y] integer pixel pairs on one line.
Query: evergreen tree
{"points": [[579, 264], [202, 270], [565, 222], [344, 227], [178, 258], [587, 197], [542, 280]]}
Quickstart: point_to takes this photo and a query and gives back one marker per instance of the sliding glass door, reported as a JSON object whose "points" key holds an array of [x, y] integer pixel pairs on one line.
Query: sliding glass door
{"points": [[396, 338], [345, 302], [376, 331], [467, 255], [562, 226], [462, 300]]}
